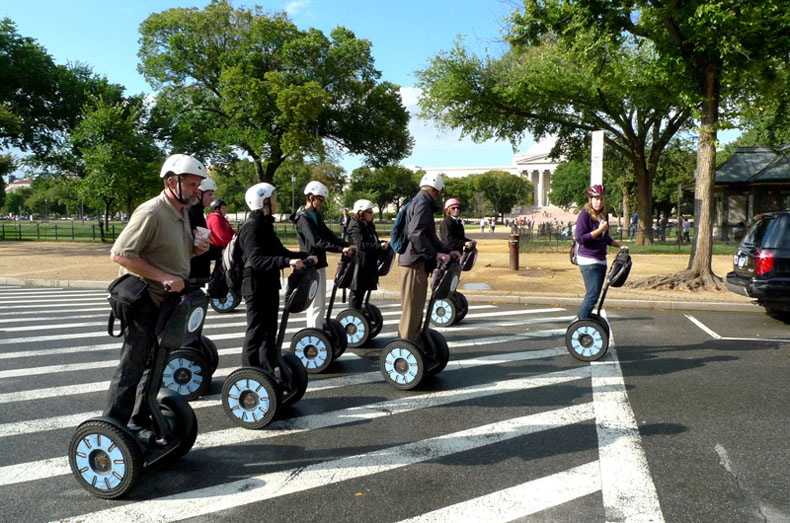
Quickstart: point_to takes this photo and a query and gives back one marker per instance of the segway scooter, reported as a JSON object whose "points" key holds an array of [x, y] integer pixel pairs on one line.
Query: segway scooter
{"points": [[227, 303], [588, 339], [107, 457], [318, 348], [453, 309], [364, 324], [405, 364], [251, 396], [190, 368]]}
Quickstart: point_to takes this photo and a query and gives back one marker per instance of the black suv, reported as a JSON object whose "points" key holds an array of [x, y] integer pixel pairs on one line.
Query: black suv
{"points": [[762, 263]]}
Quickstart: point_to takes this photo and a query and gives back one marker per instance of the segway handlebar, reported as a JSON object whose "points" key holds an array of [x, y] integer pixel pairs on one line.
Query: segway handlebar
{"points": [[191, 283]]}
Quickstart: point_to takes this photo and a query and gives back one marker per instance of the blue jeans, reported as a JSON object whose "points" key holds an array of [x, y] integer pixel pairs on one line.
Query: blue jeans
{"points": [[593, 276]]}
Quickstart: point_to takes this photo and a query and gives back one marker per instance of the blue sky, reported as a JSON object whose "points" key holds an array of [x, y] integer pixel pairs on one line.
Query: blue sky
{"points": [[405, 34]]}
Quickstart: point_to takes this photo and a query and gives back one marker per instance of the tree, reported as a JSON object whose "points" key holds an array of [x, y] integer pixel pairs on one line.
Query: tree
{"points": [[383, 186], [553, 81], [15, 202], [7, 166], [504, 190], [121, 162], [569, 184], [41, 101], [724, 55], [237, 78]]}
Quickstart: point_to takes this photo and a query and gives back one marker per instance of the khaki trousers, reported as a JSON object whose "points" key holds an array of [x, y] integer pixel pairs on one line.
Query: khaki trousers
{"points": [[413, 289]]}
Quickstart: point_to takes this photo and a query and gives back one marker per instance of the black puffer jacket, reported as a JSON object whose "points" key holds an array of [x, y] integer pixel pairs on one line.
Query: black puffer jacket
{"points": [[315, 237], [363, 236], [264, 253], [451, 230]]}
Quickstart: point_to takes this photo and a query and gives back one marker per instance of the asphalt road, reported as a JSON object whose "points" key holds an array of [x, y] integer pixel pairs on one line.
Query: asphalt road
{"points": [[684, 420]]}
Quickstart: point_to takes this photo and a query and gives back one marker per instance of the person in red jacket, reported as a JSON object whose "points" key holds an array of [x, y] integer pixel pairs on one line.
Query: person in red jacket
{"points": [[221, 230]]}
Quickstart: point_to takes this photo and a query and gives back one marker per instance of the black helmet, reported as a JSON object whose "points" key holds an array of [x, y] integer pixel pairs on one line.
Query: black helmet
{"points": [[216, 204]]}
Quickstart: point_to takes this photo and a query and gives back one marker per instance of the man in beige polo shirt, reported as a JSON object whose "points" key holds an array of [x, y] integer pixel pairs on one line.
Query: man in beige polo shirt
{"points": [[157, 244]]}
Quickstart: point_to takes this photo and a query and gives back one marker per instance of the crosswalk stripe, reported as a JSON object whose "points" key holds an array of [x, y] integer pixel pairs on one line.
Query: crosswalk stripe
{"points": [[522, 500], [22, 472], [11, 304], [273, 485]]}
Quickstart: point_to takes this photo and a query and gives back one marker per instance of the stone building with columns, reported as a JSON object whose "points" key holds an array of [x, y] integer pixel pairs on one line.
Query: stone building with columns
{"points": [[535, 165]]}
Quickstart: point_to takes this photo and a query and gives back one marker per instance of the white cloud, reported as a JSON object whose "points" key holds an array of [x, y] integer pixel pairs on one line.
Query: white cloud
{"points": [[296, 6]]}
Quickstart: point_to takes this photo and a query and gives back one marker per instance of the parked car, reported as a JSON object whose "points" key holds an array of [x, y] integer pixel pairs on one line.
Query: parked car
{"points": [[762, 263]]}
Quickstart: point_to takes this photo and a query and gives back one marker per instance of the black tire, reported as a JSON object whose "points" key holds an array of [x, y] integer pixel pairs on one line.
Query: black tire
{"points": [[402, 364], [338, 337], [226, 304], [462, 306], [105, 459], [443, 313], [250, 398], [436, 345], [187, 373], [598, 318], [313, 348], [294, 393], [356, 327], [587, 340], [210, 350], [375, 318], [182, 421]]}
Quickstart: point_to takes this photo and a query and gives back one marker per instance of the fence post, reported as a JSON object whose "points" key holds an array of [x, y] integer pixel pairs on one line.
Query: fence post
{"points": [[20, 231], [93, 230], [72, 231], [3, 227], [56, 232]]}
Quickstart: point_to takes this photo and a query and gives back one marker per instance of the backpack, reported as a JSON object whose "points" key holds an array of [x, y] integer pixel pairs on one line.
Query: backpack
{"points": [[233, 263], [574, 252], [398, 236]]}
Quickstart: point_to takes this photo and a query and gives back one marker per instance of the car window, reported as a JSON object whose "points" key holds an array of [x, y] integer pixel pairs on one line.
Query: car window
{"points": [[777, 234], [757, 232]]}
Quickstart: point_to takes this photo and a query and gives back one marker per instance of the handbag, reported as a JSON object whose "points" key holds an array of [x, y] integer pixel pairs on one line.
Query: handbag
{"points": [[125, 292]]}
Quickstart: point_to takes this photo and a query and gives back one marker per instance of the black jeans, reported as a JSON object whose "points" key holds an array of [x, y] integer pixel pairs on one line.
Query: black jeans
{"points": [[127, 387], [356, 299], [260, 341]]}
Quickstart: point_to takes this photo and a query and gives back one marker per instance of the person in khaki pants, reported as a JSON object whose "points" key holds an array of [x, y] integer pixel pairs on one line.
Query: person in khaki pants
{"points": [[422, 252]]}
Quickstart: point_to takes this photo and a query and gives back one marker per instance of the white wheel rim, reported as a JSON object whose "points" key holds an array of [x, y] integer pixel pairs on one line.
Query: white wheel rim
{"points": [[183, 375], [401, 366], [587, 341], [105, 449], [312, 351], [358, 330], [248, 400], [441, 312], [226, 304]]}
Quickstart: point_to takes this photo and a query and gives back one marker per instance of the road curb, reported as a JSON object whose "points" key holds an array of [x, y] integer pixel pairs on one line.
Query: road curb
{"points": [[475, 298]]}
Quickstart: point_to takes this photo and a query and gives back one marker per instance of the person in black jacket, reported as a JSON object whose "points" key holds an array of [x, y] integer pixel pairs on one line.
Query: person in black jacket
{"points": [[451, 230], [362, 234], [200, 266], [264, 256], [422, 253], [316, 238]]}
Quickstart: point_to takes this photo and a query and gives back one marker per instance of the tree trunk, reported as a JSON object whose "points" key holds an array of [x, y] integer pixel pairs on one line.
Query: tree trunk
{"points": [[644, 188], [627, 211], [700, 262]]}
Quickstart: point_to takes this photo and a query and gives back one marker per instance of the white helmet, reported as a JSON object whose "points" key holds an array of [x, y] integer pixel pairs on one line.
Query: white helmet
{"points": [[182, 164], [257, 195], [362, 205], [317, 189], [207, 184], [433, 180]]}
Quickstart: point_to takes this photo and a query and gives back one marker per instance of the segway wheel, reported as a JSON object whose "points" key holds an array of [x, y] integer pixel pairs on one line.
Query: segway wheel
{"points": [[356, 326], [250, 398], [375, 318], [106, 460], [226, 304], [462, 306], [443, 313], [338, 336], [402, 364], [181, 420], [599, 319], [210, 350], [435, 344], [587, 340], [294, 392], [187, 373], [313, 347]]}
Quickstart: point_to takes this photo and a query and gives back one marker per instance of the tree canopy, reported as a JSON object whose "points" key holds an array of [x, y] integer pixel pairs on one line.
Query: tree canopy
{"points": [[237, 78]]}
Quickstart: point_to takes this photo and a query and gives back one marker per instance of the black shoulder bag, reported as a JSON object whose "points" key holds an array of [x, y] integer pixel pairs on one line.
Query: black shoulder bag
{"points": [[124, 293]]}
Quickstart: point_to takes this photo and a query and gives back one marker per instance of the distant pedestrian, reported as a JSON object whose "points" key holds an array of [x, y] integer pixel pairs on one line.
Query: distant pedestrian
{"points": [[492, 224], [687, 231], [482, 225], [634, 226], [344, 221]]}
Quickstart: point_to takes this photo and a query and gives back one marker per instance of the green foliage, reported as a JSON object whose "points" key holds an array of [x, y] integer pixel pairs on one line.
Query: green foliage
{"points": [[236, 78], [569, 184], [7, 166], [390, 184], [504, 190], [15, 201]]}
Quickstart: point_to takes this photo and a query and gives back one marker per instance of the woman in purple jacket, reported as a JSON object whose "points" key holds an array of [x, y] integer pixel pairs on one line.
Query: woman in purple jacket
{"points": [[592, 235]]}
